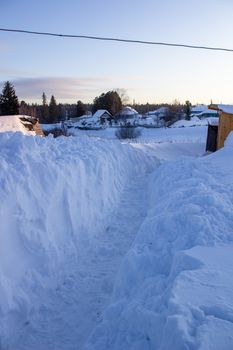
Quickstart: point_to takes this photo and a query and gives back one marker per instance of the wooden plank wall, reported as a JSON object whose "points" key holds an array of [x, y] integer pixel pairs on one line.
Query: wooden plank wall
{"points": [[37, 129], [225, 127]]}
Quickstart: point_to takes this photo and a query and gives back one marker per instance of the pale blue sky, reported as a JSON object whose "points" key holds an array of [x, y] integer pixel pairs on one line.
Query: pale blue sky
{"points": [[73, 69]]}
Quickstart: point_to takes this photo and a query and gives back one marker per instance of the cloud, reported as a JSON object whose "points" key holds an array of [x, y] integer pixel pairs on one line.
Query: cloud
{"points": [[68, 89], [63, 88]]}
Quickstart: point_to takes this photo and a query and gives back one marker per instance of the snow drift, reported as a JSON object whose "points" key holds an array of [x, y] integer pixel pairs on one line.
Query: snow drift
{"points": [[56, 194], [174, 290], [195, 121]]}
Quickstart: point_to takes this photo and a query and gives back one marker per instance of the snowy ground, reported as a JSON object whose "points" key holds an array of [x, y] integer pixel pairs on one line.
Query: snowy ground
{"points": [[116, 246], [174, 289], [61, 201], [151, 135], [76, 305]]}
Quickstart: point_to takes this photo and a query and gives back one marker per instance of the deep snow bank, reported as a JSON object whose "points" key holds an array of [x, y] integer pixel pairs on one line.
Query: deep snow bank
{"points": [[56, 194], [195, 121], [174, 290]]}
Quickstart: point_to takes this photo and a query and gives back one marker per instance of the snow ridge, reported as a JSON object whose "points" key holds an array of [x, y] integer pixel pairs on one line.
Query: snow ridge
{"points": [[56, 196], [167, 290]]}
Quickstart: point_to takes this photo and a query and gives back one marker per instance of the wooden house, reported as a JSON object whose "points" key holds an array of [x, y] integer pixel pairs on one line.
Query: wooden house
{"points": [[225, 122]]}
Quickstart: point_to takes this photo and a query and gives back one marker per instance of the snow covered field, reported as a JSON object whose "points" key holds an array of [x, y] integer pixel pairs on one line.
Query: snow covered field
{"points": [[150, 135], [106, 245]]}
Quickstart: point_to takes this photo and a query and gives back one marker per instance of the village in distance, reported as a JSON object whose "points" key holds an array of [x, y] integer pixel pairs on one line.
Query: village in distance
{"points": [[109, 110]]}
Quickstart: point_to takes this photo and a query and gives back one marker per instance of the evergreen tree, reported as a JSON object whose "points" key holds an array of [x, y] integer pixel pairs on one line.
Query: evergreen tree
{"points": [[81, 109], [53, 110], [110, 101], [9, 104], [44, 109], [23, 108], [44, 99], [187, 109]]}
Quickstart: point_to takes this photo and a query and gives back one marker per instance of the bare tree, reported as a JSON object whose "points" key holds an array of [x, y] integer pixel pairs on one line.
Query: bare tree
{"points": [[124, 96]]}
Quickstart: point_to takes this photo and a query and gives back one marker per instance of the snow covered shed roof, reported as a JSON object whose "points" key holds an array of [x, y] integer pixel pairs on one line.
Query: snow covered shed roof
{"points": [[98, 114], [228, 109], [22, 123]]}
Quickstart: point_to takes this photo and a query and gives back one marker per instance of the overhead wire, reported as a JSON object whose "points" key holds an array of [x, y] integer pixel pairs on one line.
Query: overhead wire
{"points": [[131, 41]]}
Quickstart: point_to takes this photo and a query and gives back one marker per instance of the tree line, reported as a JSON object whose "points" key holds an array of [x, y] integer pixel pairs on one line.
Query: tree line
{"points": [[52, 112]]}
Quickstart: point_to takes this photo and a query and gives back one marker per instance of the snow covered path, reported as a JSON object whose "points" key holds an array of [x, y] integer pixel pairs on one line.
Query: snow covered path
{"points": [[65, 232], [71, 311], [174, 290]]}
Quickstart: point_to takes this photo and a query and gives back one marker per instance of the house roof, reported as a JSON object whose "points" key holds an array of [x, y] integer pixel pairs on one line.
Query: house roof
{"points": [[208, 111], [199, 108], [128, 111], [98, 114], [161, 110], [222, 108]]}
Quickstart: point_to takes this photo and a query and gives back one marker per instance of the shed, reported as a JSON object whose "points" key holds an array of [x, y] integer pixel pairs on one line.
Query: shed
{"points": [[225, 122]]}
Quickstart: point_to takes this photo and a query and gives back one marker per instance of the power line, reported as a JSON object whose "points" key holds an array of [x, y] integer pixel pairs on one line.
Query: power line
{"points": [[131, 41]]}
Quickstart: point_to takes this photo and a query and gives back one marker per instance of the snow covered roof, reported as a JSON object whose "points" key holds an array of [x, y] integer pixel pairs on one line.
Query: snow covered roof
{"points": [[128, 111], [83, 117], [199, 108], [99, 113], [16, 123], [223, 108], [207, 111], [160, 110], [195, 121]]}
